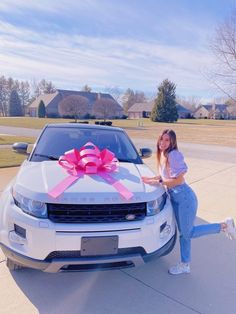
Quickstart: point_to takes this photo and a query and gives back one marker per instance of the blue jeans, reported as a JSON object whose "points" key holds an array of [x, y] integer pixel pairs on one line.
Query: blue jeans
{"points": [[184, 202]]}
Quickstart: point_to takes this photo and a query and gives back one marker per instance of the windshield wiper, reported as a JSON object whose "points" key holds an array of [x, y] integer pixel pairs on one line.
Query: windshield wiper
{"points": [[124, 160], [47, 156]]}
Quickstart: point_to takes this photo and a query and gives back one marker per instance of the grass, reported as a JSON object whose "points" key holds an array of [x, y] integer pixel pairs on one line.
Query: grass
{"points": [[201, 131], [10, 159], [9, 140]]}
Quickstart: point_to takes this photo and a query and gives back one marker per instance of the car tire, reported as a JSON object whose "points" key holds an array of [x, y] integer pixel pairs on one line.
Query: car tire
{"points": [[12, 265]]}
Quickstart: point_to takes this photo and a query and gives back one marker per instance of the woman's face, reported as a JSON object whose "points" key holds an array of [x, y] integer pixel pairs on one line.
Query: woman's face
{"points": [[164, 142]]}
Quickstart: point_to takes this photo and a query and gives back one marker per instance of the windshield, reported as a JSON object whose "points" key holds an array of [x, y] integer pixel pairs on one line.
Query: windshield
{"points": [[55, 141]]}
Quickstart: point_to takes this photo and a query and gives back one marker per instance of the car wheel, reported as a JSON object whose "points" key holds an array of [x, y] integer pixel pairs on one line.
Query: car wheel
{"points": [[12, 265]]}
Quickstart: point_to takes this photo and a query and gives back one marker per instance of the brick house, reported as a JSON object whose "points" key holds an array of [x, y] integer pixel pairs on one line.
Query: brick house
{"points": [[212, 111], [51, 102], [144, 109]]}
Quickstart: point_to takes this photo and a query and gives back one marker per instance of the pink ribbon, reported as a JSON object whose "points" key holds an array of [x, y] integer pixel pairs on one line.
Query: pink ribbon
{"points": [[89, 160]]}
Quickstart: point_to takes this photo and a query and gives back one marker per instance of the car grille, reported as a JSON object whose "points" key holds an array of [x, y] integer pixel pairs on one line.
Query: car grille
{"points": [[96, 213]]}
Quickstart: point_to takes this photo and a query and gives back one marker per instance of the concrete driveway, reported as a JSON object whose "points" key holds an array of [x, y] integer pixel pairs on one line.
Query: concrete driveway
{"points": [[210, 288]]}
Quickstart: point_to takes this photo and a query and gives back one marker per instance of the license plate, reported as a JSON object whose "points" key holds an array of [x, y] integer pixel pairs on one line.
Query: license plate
{"points": [[91, 246]]}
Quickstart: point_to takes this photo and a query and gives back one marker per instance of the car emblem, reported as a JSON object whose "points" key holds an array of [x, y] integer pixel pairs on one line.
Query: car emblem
{"points": [[130, 217]]}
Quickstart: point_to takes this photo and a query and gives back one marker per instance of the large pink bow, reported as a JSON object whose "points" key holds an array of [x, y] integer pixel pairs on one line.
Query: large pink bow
{"points": [[89, 160]]}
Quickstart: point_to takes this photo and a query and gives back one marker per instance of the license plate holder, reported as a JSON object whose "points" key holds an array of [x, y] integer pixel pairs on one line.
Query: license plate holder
{"points": [[95, 246]]}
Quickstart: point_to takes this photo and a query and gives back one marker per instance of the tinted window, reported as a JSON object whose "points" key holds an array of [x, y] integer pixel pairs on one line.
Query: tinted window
{"points": [[54, 142]]}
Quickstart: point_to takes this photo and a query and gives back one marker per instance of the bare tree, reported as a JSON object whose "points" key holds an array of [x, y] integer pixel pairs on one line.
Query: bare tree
{"points": [[114, 91], [86, 88], [74, 105], [3, 96], [43, 87], [130, 97], [105, 108], [190, 102], [24, 94], [224, 48]]}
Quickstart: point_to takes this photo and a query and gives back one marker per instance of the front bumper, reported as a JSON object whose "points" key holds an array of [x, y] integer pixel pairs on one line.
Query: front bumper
{"points": [[87, 263], [53, 247]]}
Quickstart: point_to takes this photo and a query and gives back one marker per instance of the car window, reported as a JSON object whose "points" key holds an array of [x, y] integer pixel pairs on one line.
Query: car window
{"points": [[54, 142]]}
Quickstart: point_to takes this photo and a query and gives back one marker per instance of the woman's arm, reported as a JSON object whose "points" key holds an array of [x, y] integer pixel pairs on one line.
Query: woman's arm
{"points": [[170, 183]]}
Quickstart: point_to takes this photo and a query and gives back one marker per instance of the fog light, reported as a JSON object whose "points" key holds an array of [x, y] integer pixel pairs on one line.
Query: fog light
{"points": [[20, 231], [14, 237], [165, 231]]}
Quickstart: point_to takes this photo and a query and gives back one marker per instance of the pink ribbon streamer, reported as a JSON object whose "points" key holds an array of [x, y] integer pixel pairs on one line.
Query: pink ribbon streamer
{"points": [[89, 160]]}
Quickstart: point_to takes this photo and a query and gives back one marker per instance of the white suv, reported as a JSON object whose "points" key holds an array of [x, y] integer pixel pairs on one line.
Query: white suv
{"points": [[90, 224]]}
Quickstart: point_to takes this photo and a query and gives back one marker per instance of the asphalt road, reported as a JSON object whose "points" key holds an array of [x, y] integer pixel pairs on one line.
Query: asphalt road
{"points": [[8, 130]]}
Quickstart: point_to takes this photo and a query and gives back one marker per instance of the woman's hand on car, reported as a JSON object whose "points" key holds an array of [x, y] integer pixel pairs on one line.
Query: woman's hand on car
{"points": [[151, 180]]}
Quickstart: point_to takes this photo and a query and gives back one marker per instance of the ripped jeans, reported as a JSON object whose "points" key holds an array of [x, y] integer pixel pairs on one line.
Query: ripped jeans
{"points": [[184, 202]]}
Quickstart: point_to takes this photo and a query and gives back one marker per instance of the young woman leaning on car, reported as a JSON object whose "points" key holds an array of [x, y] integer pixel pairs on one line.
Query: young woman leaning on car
{"points": [[172, 169]]}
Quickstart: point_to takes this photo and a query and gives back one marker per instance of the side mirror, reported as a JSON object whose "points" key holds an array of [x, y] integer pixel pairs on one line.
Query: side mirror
{"points": [[145, 152], [20, 148]]}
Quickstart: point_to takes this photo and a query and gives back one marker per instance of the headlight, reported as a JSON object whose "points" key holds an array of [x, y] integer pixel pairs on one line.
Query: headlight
{"points": [[30, 207], [154, 207]]}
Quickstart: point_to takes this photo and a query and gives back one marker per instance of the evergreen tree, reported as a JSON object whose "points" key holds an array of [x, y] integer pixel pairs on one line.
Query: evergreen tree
{"points": [[165, 109], [15, 108], [41, 110]]}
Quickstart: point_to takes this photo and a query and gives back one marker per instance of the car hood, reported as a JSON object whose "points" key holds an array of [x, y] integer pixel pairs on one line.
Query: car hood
{"points": [[36, 179]]}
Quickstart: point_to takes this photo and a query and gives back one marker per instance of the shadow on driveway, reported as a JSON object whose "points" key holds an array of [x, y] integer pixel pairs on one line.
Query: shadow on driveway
{"points": [[210, 288]]}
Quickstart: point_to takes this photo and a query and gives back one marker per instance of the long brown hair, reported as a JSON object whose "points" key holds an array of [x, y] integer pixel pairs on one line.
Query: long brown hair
{"points": [[173, 144]]}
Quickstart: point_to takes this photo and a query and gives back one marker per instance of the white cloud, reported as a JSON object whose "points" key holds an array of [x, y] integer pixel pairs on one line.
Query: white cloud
{"points": [[77, 60]]}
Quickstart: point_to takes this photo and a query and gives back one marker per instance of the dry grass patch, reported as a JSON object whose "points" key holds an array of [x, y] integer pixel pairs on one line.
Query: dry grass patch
{"points": [[201, 131], [9, 140], [9, 159]]}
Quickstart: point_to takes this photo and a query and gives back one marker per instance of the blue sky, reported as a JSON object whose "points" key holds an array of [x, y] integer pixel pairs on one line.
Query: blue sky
{"points": [[108, 43]]}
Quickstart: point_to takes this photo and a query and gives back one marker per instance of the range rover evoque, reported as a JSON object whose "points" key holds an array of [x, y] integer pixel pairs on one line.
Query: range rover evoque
{"points": [[90, 224]]}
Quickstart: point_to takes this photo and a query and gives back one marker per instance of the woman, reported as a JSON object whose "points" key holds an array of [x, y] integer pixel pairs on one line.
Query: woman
{"points": [[172, 169]]}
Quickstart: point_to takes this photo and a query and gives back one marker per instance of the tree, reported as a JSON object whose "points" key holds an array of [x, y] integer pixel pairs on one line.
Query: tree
{"points": [[41, 110], [74, 106], [130, 97], [86, 88], [164, 109], [223, 46], [104, 108], [114, 91], [15, 108], [24, 94], [43, 87], [190, 102], [3, 96]]}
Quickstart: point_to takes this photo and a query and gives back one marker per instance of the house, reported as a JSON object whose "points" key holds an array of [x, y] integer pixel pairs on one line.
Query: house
{"points": [[144, 109], [183, 112], [232, 111], [140, 110], [51, 102], [212, 111]]}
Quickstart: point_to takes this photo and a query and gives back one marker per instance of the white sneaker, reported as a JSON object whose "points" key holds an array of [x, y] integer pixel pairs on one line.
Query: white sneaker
{"points": [[180, 268], [230, 229]]}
